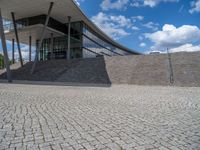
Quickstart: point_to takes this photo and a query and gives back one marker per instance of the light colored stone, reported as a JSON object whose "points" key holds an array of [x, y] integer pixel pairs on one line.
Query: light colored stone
{"points": [[119, 117]]}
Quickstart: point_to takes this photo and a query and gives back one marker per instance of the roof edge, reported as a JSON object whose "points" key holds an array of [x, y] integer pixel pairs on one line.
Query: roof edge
{"points": [[108, 37]]}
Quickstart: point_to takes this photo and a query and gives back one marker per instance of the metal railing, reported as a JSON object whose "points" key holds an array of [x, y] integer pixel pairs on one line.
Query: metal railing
{"points": [[170, 67]]}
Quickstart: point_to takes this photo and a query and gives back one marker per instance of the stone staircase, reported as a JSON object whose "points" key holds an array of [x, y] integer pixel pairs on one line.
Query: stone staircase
{"points": [[45, 71], [91, 70], [133, 69]]}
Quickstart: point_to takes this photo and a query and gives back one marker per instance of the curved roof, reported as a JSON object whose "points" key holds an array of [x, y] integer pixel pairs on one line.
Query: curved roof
{"points": [[61, 10]]}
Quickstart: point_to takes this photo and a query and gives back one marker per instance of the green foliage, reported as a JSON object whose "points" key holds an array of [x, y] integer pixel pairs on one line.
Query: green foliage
{"points": [[1, 61]]}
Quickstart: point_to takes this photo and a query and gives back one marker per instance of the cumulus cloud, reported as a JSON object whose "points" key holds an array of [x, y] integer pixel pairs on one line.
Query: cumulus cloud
{"points": [[118, 4], [142, 44], [151, 25], [150, 3], [114, 26], [24, 52], [182, 48], [135, 28], [171, 37], [195, 6], [136, 18], [186, 48]]}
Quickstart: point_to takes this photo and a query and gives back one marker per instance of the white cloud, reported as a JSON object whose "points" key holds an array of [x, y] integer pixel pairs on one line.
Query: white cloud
{"points": [[182, 48], [195, 6], [154, 52], [114, 26], [150, 3], [171, 37], [142, 44], [24, 52], [121, 21], [151, 25], [135, 28], [118, 4], [135, 18], [135, 4], [186, 48]]}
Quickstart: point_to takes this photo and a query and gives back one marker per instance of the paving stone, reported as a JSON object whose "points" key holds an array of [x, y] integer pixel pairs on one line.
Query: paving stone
{"points": [[121, 117]]}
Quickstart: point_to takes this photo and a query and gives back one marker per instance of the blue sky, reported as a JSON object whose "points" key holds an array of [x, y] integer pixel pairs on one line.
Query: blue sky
{"points": [[146, 25]]}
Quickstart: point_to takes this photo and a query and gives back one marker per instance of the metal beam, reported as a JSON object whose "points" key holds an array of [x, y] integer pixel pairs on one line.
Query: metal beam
{"points": [[13, 51], [69, 38], [17, 38], [42, 37], [4, 46], [30, 48], [51, 46]]}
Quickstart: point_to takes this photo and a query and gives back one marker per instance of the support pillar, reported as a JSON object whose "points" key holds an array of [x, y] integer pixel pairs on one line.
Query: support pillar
{"points": [[42, 37], [17, 38], [5, 52], [30, 48], [13, 51], [69, 38], [51, 46]]}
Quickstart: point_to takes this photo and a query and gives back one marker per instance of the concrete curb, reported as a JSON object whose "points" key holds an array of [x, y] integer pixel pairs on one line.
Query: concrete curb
{"points": [[56, 83]]}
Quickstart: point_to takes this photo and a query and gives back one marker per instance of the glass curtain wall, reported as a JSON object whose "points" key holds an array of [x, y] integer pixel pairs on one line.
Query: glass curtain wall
{"points": [[85, 43], [97, 45], [76, 40], [60, 44]]}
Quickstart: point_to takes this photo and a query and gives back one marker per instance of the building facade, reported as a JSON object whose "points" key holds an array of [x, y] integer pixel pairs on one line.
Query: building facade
{"points": [[84, 41], [75, 38]]}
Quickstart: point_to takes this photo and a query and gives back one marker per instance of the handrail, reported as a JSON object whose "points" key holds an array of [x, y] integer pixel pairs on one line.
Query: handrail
{"points": [[101, 45], [170, 67]]}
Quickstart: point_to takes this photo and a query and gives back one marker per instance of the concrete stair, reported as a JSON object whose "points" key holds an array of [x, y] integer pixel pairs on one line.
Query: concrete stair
{"points": [[45, 70], [134, 69], [87, 71]]}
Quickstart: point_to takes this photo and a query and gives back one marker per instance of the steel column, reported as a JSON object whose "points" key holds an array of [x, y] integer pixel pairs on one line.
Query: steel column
{"points": [[17, 38], [13, 51], [4, 46], [42, 37], [30, 48], [51, 46], [69, 38]]}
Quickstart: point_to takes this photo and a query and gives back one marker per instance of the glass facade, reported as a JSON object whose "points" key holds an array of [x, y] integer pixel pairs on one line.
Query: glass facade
{"points": [[60, 44], [95, 43], [85, 43]]}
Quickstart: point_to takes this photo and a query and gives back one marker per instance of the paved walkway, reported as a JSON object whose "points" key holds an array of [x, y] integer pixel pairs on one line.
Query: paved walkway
{"points": [[116, 118]]}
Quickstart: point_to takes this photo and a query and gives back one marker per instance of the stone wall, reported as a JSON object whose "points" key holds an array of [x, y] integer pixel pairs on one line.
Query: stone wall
{"points": [[133, 69]]}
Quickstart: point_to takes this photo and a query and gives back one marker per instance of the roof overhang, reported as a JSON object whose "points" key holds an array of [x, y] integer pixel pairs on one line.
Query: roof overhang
{"points": [[34, 31], [61, 10]]}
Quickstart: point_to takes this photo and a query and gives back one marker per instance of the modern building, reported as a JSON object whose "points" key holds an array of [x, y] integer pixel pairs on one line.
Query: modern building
{"points": [[58, 29], [86, 40]]}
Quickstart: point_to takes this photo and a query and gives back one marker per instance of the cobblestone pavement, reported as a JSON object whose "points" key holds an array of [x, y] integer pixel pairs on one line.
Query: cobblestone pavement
{"points": [[116, 118]]}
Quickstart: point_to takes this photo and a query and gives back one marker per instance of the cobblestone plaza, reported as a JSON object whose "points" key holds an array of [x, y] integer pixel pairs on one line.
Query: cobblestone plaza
{"points": [[121, 117]]}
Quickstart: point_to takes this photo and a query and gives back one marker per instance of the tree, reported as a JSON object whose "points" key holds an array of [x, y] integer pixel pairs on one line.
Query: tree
{"points": [[1, 61]]}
